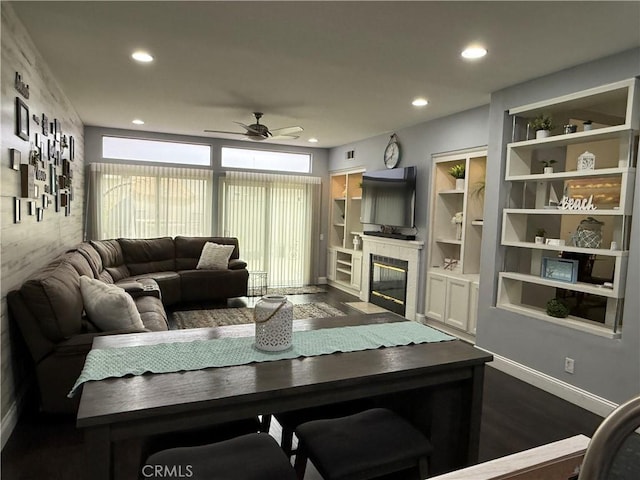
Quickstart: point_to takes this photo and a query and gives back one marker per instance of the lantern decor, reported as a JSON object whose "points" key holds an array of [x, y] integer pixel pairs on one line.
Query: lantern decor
{"points": [[586, 161]]}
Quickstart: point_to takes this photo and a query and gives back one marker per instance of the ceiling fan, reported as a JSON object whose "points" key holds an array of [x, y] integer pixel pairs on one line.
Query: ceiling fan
{"points": [[258, 131]]}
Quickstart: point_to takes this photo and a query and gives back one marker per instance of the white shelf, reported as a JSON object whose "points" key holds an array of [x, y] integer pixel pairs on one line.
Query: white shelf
{"points": [[356, 198], [605, 133], [477, 223], [343, 262], [450, 192], [575, 287], [450, 241], [343, 270], [542, 177], [570, 321], [567, 248], [340, 199], [557, 211]]}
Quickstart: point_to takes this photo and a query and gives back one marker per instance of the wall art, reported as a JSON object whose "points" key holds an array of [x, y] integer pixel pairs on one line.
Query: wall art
{"points": [[16, 210], [39, 214], [32, 208], [21, 87], [72, 148], [15, 157], [45, 125], [22, 119], [560, 269]]}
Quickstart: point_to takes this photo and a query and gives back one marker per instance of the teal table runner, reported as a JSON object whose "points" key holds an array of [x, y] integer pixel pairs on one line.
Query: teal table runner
{"points": [[226, 352]]}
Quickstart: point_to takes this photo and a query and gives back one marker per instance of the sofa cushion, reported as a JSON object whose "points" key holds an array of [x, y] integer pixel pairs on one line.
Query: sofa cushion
{"points": [[112, 258], [169, 283], [95, 262], [109, 307], [148, 255], [53, 296], [215, 257], [152, 313], [208, 285], [189, 249]]}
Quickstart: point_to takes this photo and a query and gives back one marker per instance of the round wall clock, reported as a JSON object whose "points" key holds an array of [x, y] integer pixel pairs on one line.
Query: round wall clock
{"points": [[392, 152]]}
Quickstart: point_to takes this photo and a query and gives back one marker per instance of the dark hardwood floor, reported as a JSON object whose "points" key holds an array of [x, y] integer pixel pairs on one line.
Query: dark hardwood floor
{"points": [[516, 416]]}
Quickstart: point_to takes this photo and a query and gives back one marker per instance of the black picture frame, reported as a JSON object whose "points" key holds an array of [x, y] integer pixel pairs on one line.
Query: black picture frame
{"points": [[16, 210], [15, 157], [39, 214], [72, 148], [32, 208], [560, 269], [45, 125], [22, 119]]}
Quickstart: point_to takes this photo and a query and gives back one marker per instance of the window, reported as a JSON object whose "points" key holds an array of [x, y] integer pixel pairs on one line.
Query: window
{"points": [[155, 151], [266, 160], [275, 218], [144, 201]]}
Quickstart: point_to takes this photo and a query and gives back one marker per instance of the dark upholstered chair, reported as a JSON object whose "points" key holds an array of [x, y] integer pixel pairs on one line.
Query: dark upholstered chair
{"points": [[256, 456], [362, 446]]}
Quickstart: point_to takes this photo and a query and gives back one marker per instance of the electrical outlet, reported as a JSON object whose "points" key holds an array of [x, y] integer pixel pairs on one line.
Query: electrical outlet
{"points": [[569, 363]]}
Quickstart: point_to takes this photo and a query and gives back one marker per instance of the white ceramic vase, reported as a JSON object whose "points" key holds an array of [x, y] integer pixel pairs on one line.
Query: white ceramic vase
{"points": [[273, 315], [458, 231], [542, 134], [548, 170], [459, 183]]}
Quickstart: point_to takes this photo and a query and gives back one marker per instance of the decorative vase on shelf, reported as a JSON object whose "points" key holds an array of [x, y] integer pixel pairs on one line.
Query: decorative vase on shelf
{"points": [[542, 134], [458, 231], [459, 183], [273, 316], [547, 170], [539, 240]]}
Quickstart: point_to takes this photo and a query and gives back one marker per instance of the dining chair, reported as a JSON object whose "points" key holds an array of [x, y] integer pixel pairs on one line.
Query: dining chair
{"points": [[362, 446], [256, 456]]}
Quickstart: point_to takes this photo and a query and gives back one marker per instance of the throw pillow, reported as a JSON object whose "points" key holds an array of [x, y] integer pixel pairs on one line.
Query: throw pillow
{"points": [[109, 307], [215, 257]]}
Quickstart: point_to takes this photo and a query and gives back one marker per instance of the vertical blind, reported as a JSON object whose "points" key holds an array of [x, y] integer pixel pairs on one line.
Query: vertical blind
{"points": [[141, 201], [275, 218]]}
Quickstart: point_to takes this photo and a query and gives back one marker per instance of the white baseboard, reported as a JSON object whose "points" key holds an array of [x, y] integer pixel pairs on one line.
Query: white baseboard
{"points": [[577, 396], [9, 422]]}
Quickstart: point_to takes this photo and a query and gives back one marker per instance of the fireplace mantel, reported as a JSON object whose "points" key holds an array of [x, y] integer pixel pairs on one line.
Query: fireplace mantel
{"points": [[407, 250]]}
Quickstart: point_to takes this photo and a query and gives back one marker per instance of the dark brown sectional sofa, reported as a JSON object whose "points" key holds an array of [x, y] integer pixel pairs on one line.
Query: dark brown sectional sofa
{"points": [[158, 272]]}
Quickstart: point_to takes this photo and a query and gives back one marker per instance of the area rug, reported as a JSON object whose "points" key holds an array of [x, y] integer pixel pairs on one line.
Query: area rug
{"points": [[234, 316], [366, 307]]}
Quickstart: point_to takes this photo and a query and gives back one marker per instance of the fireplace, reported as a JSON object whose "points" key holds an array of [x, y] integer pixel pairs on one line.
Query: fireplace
{"points": [[388, 283]]}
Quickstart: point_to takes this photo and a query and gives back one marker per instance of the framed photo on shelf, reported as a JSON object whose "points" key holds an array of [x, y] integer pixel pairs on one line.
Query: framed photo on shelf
{"points": [[560, 269], [22, 119]]}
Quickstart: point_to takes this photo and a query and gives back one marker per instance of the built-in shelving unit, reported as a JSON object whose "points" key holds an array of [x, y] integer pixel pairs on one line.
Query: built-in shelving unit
{"points": [[454, 249], [344, 261], [605, 193]]}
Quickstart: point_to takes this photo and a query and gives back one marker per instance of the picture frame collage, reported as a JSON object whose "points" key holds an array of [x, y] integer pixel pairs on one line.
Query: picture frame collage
{"points": [[50, 153]]}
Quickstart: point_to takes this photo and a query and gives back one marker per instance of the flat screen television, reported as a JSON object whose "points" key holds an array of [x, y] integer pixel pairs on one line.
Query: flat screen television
{"points": [[388, 197]]}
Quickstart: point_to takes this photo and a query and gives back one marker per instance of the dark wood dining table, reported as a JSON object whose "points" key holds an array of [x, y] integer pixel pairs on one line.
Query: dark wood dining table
{"points": [[437, 386]]}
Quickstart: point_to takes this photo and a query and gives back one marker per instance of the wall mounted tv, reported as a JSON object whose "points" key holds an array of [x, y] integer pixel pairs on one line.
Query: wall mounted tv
{"points": [[388, 197]]}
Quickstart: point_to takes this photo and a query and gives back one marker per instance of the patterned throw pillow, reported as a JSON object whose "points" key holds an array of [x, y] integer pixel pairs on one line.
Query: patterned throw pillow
{"points": [[215, 257], [109, 307]]}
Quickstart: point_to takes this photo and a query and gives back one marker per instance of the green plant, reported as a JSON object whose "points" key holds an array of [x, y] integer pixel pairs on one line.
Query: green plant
{"points": [[542, 122], [457, 171], [557, 308], [540, 232], [547, 163]]}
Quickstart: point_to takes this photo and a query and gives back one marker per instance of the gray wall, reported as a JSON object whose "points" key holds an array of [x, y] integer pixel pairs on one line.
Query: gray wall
{"points": [[607, 368], [456, 132], [319, 159], [29, 245]]}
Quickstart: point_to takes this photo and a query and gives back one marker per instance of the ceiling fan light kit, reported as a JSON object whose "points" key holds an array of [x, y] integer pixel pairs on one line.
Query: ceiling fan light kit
{"points": [[258, 131]]}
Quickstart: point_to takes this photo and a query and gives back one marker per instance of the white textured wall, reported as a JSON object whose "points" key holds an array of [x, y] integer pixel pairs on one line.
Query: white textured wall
{"points": [[29, 245]]}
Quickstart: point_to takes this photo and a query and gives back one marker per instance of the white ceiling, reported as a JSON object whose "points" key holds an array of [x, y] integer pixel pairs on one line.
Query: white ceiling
{"points": [[344, 71]]}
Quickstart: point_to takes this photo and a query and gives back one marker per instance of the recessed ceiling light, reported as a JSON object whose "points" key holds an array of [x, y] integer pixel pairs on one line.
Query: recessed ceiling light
{"points": [[313, 140], [420, 102], [474, 52], [141, 56], [137, 121]]}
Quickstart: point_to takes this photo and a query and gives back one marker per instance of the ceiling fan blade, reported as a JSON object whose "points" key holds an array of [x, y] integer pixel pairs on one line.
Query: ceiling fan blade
{"points": [[287, 130], [249, 128], [285, 137], [229, 133]]}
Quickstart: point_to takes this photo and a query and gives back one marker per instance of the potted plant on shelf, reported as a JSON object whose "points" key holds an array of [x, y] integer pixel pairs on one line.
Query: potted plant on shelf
{"points": [[540, 236], [546, 166], [457, 172], [542, 125], [557, 308]]}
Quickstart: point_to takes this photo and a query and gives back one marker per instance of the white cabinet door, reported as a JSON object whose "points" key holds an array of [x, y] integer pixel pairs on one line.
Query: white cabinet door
{"points": [[473, 308], [356, 270], [457, 303], [435, 298], [331, 264]]}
